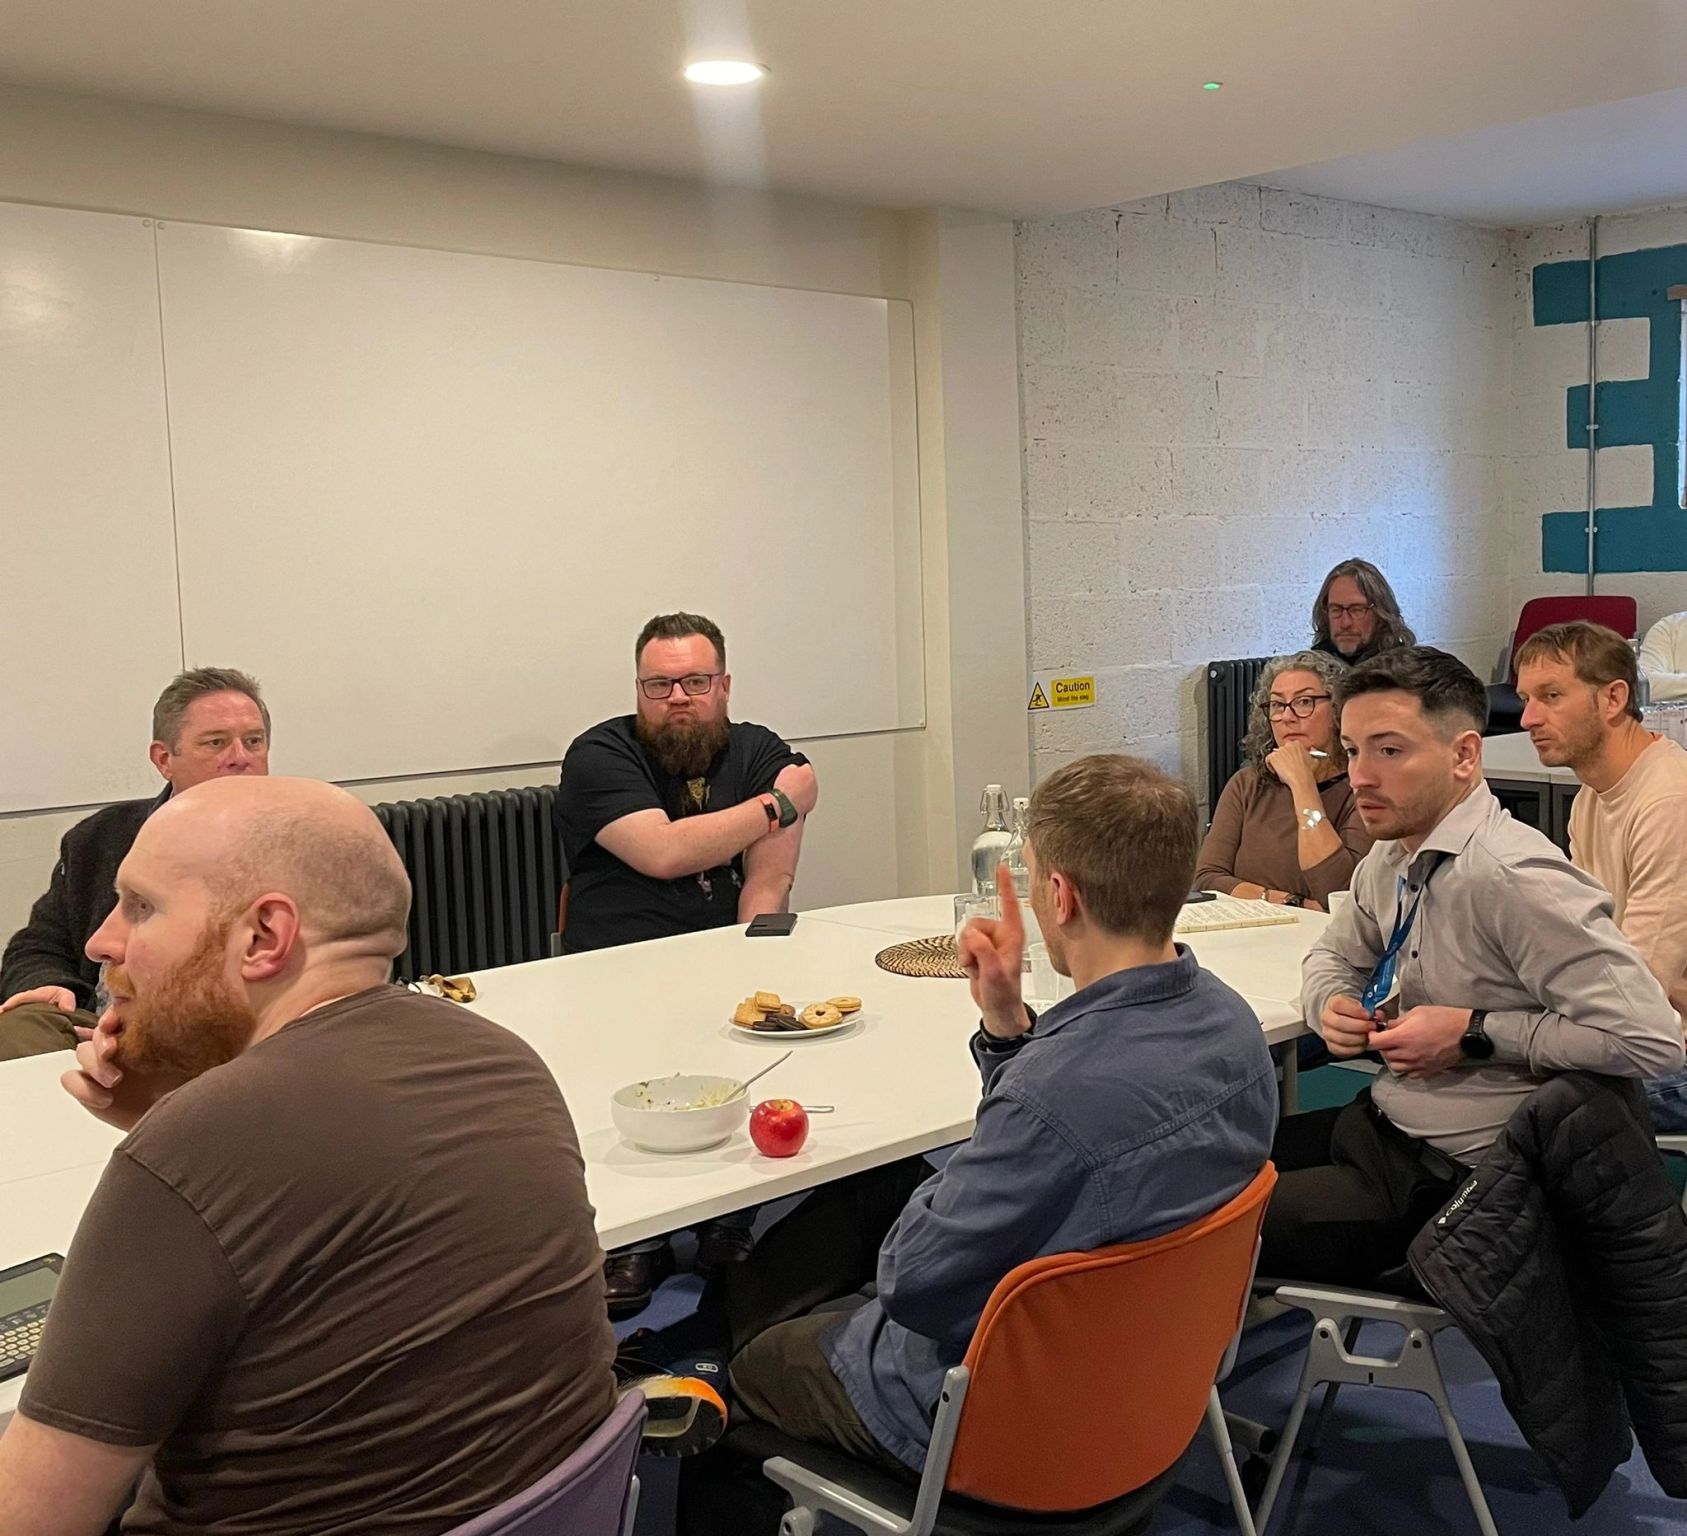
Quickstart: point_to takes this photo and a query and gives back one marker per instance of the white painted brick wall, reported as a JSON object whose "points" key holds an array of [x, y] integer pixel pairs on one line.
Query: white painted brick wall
{"points": [[1226, 391]]}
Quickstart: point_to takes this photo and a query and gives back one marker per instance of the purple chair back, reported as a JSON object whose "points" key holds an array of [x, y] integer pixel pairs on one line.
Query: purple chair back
{"points": [[588, 1495]]}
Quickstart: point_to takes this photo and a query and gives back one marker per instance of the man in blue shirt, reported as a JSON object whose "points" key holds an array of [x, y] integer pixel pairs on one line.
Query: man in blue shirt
{"points": [[1137, 1105]]}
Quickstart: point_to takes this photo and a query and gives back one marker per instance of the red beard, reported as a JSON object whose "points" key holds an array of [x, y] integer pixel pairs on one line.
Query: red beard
{"points": [[190, 1020]]}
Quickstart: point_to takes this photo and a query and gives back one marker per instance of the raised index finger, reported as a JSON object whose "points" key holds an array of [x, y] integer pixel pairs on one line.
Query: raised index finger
{"points": [[1007, 905]]}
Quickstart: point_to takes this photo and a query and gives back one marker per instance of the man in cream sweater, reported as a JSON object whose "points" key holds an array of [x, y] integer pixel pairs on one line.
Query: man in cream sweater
{"points": [[1628, 828]]}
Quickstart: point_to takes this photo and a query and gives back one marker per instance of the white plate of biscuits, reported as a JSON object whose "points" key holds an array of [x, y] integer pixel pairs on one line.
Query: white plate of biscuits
{"points": [[779, 1018]]}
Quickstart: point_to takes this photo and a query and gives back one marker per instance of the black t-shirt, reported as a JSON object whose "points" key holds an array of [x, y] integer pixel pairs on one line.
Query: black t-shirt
{"points": [[606, 775]]}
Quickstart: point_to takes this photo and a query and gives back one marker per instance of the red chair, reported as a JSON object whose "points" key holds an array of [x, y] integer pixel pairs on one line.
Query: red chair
{"points": [[1505, 709], [1619, 613]]}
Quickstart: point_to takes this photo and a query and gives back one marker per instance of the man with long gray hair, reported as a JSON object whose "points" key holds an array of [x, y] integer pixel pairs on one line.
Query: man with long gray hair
{"points": [[1356, 615], [208, 723]]}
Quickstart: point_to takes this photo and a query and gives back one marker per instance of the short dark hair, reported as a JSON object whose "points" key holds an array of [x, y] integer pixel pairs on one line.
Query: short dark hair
{"points": [[681, 626], [1392, 631], [1445, 688], [1598, 656], [197, 683], [1124, 834]]}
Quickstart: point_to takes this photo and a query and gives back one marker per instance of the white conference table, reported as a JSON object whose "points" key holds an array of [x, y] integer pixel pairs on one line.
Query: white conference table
{"points": [[901, 1078]]}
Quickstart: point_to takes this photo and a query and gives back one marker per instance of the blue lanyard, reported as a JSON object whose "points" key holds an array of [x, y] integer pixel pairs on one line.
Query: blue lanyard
{"points": [[1382, 975]]}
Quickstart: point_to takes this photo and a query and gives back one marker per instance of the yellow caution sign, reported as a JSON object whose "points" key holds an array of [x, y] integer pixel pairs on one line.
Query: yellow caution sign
{"points": [[1039, 699], [1073, 692]]}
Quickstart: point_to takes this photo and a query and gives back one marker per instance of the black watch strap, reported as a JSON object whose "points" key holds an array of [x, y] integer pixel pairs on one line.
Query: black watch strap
{"points": [[1475, 1043]]}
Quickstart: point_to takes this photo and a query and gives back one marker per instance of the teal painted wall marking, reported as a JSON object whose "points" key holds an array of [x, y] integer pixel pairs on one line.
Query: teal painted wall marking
{"points": [[1632, 412]]}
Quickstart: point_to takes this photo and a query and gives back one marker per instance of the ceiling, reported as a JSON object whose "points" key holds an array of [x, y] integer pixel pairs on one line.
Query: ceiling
{"points": [[1013, 105], [1603, 159]]}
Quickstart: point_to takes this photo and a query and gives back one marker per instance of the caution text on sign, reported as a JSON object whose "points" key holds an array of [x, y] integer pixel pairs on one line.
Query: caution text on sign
{"points": [[1049, 691]]}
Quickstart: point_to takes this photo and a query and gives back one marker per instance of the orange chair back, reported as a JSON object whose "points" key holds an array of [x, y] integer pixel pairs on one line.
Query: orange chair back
{"points": [[1090, 1372]]}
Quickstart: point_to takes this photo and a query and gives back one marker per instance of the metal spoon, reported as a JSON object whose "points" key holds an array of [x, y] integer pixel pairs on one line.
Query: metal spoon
{"points": [[743, 1086]]}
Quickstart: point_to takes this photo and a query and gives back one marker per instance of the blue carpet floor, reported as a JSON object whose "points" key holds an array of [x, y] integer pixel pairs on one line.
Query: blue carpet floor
{"points": [[1382, 1466]]}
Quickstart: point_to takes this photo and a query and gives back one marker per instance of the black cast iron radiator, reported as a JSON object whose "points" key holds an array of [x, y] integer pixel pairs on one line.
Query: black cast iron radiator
{"points": [[1230, 687], [485, 870]]}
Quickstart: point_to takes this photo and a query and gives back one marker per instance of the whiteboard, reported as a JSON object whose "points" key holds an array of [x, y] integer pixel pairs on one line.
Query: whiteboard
{"points": [[89, 632], [430, 498]]}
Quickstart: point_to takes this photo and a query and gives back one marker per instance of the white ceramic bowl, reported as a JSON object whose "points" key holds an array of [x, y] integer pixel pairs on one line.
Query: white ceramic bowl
{"points": [[655, 1114]]}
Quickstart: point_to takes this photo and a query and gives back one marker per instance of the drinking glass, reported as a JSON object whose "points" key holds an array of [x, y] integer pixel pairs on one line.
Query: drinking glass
{"points": [[972, 904]]}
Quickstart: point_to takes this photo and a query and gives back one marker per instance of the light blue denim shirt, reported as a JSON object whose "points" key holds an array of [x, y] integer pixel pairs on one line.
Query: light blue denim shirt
{"points": [[1134, 1107]]}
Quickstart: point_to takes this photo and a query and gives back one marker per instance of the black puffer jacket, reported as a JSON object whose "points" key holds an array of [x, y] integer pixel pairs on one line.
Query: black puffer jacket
{"points": [[1563, 1257]]}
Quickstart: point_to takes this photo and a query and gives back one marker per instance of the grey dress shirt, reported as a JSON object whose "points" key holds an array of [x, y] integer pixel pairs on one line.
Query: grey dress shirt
{"points": [[1507, 924]]}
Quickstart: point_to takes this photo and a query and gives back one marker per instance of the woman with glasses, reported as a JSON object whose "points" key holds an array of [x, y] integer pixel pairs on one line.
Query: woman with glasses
{"points": [[1356, 615], [1286, 827]]}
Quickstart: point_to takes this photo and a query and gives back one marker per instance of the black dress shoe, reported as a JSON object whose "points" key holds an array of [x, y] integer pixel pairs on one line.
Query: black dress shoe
{"points": [[630, 1277], [718, 1243]]}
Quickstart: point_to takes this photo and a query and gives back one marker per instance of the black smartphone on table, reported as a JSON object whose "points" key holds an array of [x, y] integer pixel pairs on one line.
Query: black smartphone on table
{"points": [[771, 925]]}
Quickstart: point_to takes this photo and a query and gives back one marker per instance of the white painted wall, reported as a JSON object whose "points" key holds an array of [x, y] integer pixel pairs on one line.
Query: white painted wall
{"points": [[887, 823], [1225, 392], [1542, 474]]}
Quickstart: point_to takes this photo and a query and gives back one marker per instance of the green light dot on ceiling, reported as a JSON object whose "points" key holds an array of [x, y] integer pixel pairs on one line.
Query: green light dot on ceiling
{"points": [[1213, 85]]}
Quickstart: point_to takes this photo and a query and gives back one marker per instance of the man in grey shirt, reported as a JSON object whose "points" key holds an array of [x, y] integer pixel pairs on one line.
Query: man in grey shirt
{"points": [[1473, 959]]}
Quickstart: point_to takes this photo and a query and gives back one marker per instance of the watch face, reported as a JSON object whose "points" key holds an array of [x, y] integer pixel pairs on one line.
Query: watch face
{"points": [[1477, 1046]]}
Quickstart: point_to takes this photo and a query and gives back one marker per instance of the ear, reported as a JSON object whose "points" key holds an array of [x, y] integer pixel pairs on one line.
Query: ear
{"points": [[1616, 699], [160, 755], [1065, 897], [1467, 755], [726, 685], [271, 934]]}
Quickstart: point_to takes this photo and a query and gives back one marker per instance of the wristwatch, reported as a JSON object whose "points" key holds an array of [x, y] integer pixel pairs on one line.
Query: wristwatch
{"points": [[1474, 1042], [1293, 899], [781, 812], [1310, 818]]}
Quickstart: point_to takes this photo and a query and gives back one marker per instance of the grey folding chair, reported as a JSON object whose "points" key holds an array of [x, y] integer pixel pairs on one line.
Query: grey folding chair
{"points": [[1330, 1357], [593, 1492]]}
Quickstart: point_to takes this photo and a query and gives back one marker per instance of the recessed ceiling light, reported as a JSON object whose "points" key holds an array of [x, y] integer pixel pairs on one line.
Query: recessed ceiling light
{"points": [[1213, 85], [723, 72]]}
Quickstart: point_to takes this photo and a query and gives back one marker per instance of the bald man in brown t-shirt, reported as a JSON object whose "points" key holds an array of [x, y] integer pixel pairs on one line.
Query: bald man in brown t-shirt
{"points": [[345, 1276]]}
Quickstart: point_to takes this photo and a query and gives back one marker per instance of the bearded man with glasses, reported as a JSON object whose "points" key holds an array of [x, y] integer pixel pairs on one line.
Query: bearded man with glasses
{"points": [[674, 819], [1356, 615]]}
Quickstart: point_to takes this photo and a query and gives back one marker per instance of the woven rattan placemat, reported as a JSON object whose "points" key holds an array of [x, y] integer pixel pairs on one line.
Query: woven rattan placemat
{"points": [[936, 956]]}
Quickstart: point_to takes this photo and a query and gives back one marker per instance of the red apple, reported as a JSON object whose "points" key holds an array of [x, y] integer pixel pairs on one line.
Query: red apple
{"points": [[779, 1127]]}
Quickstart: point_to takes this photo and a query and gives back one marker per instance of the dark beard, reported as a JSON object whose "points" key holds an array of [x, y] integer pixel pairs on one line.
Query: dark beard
{"points": [[192, 1021], [683, 749]]}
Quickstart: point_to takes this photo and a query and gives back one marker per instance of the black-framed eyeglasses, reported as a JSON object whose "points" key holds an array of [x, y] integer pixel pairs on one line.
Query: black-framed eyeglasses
{"points": [[1347, 610], [1300, 708], [694, 683]]}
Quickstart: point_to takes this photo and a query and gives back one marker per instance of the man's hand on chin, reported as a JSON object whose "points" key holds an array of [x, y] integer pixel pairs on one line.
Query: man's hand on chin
{"points": [[106, 1090]]}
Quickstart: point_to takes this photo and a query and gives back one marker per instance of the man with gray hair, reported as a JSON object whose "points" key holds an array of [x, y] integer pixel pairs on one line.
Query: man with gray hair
{"points": [[208, 723]]}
